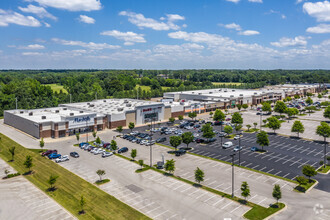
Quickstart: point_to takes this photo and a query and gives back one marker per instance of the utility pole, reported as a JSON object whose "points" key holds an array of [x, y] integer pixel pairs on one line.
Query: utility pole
{"points": [[239, 150], [70, 98], [87, 131], [260, 120], [16, 102], [232, 175], [95, 95]]}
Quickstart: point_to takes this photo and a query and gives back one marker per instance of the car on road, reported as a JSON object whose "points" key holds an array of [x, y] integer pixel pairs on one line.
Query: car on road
{"points": [[54, 156], [180, 152], [228, 119], [227, 144], [237, 148], [106, 154], [48, 152], [254, 149], [222, 134], [237, 137], [162, 139], [74, 154], [62, 158], [122, 150]]}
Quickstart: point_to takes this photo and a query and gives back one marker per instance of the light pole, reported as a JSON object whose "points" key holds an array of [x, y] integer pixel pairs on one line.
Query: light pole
{"points": [[239, 149], [151, 153], [70, 98], [16, 102], [232, 176], [260, 120], [87, 132]]}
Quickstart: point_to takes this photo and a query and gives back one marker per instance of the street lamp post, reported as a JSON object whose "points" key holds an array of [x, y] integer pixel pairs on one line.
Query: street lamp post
{"points": [[239, 150], [16, 102], [87, 131], [260, 120], [232, 175]]}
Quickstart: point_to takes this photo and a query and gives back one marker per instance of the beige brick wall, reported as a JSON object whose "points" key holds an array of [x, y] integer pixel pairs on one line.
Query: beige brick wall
{"points": [[167, 113], [130, 117]]}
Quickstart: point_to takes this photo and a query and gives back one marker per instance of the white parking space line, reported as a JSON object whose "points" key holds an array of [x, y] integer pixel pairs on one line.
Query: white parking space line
{"points": [[262, 201], [311, 152], [288, 160], [235, 209], [281, 158], [297, 161], [151, 210], [210, 198], [255, 167], [214, 204], [302, 164], [318, 153], [286, 175], [298, 148], [277, 173], [227, 205], [248, 164], [162, 213]]}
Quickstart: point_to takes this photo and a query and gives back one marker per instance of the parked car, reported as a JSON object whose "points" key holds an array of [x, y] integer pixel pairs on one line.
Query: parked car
{"points": [[227, 145], [237, 148], [228, 119], [201, 121], [211, 140], [105, 145], [54, 156], [199, 140], [217, 123], [74, 154], [160, 165], [82, 144], [237, 137], [222, 134], [180, 152], [62, 158], [123, 150], [48, 152], [254, 149], [162, 139], [106, 154]]}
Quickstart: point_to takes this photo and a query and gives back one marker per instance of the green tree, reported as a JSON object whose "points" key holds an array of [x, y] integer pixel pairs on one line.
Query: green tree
{"points": [[94, 134], [266, 107], [326, 112], [187, 138], [262, 139], [113, 145], [28, 162], [248, 127], [42, 143], [309, 100], [133, 153], [245, 190], [175, 141], [211, 113], [297, 127], [141, 163], [82, 203], [237, 118], [319, 96], [323, 130], [131, 126], [98, 140], [208, 131], [219, 115], [171, 120], [280, 107], [228, 129], [12, 152], [255, 125], [51, 181], [78, 137], [277, 194], [192, 115], [170, 166], [273, 123], [119, 129], [309, 171], [180, 117], [245, 106], [301, 180], [199, 175], [100, 173], [239, 106]]}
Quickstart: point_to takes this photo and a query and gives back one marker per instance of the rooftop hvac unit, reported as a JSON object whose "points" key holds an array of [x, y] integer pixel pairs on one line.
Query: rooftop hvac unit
{"points": [[104, 100], [30, 113], [193, 92], [21, 112], [200, 93], [81, 111], [231, 95], [128, 105], [125, 101], [225, 91], [57, 111], [255, 93], [92, 105], [240, 94], [71, 114], [210, 92], [219, 90], [65, 108], [43, 117]]}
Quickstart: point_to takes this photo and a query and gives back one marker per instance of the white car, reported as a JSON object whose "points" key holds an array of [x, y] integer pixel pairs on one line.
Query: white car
{"points": [[143, 142], [237, 137], [107, 154], [62, 158], [227, 145], [189, 127], [99, 151], [195, 134]]}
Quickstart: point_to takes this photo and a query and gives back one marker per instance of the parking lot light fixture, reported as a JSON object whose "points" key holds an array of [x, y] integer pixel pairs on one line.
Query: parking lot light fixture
{"points": [[232, 175], [239, 149], [151, 153], [260, 120]]}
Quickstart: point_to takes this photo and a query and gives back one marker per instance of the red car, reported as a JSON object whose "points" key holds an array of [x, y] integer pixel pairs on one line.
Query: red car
{"points": [[49, 152], [228, 119]]}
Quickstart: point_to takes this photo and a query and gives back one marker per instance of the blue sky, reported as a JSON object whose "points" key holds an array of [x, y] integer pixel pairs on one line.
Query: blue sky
{"points": [[172, 34]]}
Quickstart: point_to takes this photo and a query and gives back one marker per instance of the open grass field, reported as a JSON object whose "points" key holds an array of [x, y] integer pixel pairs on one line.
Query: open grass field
{"points": [[147, 88], [69, 187], [57, 88], [227, 83]]}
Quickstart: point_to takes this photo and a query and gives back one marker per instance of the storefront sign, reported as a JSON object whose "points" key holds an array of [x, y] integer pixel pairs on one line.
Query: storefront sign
{"points": [[83, 119]]}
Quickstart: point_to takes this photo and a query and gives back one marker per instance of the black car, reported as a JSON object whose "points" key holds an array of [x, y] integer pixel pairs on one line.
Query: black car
{"points": [[180, 152], [123, 150], [74, 154], [199, 140], [159, 140], [211, 140], [218, 123]]}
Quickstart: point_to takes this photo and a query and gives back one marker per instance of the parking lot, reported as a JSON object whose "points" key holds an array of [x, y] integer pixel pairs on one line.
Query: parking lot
{"points": [[285, 156], [20, 199]]}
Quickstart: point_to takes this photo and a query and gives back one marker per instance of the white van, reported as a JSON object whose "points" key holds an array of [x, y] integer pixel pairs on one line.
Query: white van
{"points": [[227, 145]]}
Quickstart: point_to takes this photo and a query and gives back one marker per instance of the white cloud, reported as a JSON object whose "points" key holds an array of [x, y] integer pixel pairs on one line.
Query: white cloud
{"points": [[39, 11], [299, 1], [129, 37], [89, 45], [299, 41], [47, 25], [319, 10], [86, 19], [234, 26], [249, 32], [319, 29], [256, 1], [276, 12], [201, 37], [143, 22], [32, 54], [72, 5], [8, 17], [235, 1], [32, 47]]}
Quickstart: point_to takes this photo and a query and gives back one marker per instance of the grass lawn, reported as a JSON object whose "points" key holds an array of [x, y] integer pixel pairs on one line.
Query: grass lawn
{"points": [[102, 181], [324, 170], [252, 130], [261, 213], [69, 187], [227, 83], [146, 88], [304, 188], [57, 88]]}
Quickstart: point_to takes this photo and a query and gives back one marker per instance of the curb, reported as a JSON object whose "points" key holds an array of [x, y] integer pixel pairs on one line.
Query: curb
{"points": [[310, 188], [278, 212]]}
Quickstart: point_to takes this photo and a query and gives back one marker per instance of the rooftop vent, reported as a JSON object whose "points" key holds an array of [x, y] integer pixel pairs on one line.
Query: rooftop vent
{"points": [[200, 93], [104, 100], [128, 105], [81, 111], [225, 91], [65, 108], [233, 90], [43, 117], [71, 114], [255, 93], [88, 103], [21, 112], [231, 95], [193, 92], [125, 101], [240, 94], [120, 109], [92, 105], [57, 111], [210, 92], [30, 113]]}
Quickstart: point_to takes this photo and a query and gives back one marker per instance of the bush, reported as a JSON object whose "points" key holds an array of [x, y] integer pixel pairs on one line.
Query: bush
{"points": [[12, 175], [321, 162]]}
